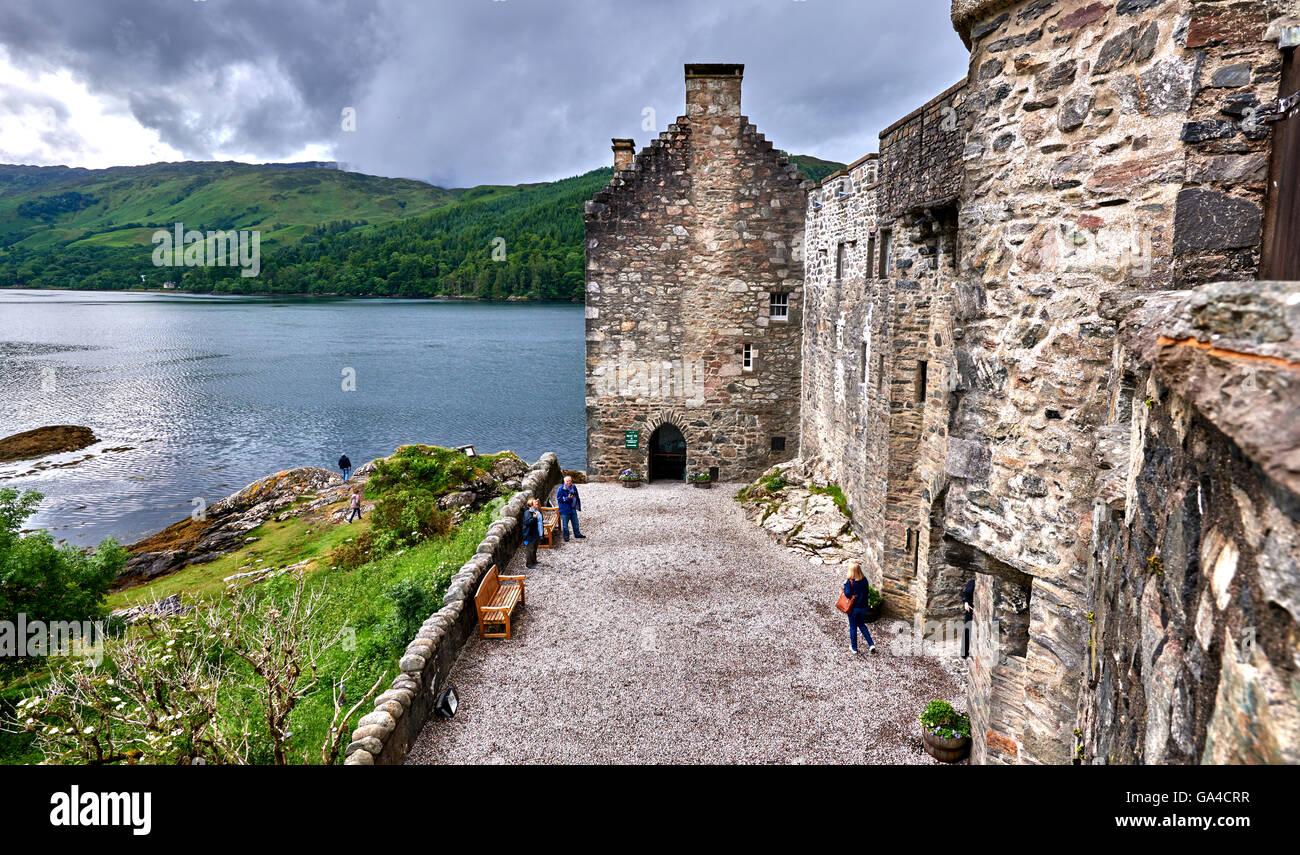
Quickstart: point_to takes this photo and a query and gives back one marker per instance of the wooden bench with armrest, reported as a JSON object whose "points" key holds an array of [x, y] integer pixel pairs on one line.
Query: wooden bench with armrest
{"points": [[497, 598], [550, 524]]}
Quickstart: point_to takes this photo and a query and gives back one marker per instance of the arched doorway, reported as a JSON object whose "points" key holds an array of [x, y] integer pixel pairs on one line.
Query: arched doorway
{"points": [[667, 453]]}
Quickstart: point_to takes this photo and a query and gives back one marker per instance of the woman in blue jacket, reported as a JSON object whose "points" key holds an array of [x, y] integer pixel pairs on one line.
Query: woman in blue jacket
{"points": [[855, 586]]}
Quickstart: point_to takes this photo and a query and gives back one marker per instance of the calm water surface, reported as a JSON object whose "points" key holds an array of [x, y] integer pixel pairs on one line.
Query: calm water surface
{"points": [[207, 394]]}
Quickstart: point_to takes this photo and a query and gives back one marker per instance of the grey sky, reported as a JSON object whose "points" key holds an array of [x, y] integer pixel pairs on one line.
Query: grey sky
{"points": [[457, 92]]}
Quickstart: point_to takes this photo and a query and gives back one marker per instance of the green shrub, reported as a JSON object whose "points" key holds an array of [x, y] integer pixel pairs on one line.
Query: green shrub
{"points": [[351, 555], [413, 600], [45, 580], [406, 517]]}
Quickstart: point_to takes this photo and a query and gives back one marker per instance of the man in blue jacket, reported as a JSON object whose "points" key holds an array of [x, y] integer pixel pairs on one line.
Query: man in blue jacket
{"points": [[569, 503]]}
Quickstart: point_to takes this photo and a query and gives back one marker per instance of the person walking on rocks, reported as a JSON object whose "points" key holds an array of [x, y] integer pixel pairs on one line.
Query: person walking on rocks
{"points": [[855, 587], [532, 531], [569, 503], [356, 505], [346, 466]]}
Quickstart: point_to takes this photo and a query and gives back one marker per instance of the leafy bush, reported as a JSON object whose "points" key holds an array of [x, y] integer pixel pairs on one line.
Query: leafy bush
{"points": [[941, 719], [350, 556], [413, 600], [873, 597], [47, 581], [407, 517]]}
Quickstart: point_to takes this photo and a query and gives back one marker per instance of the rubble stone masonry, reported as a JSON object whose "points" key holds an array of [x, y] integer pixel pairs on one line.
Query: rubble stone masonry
{"points": [[1035, 353], [686, 250]]}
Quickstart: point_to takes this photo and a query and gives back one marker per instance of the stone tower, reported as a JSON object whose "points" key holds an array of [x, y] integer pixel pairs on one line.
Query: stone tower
{"points": [[694, 289]]}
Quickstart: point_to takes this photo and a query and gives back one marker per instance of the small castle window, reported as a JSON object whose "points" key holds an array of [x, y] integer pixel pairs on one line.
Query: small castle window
{"points": [[921, 368], [747, 357], [778, 443], [778, 307], [880, 370], [871, 252], [886, 247], [865, 356], [839, 260]]}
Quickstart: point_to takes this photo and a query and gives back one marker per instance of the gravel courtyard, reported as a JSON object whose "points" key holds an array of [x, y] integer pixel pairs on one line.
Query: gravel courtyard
{"points": [[676, 632]]}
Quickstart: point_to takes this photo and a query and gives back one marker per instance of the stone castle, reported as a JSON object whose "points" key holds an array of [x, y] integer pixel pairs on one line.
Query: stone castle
{"points": [[1047, 337]]}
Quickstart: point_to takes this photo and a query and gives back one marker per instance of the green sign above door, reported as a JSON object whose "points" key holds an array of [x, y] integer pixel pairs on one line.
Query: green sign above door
{"points": [[632, 439]]}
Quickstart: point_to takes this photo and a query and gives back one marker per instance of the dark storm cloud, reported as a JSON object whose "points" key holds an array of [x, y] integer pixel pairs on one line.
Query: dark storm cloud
{"points": [[467, 91]]}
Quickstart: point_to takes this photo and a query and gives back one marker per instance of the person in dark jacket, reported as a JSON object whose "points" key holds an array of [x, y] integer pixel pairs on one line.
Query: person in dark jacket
{"points": [[569, 503], [532, 531], [346, 466], [968, 614], [856, 586]]}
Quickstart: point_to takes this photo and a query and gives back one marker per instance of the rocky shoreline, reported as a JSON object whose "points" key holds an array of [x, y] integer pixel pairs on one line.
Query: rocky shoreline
{"points": [[225, 526]]}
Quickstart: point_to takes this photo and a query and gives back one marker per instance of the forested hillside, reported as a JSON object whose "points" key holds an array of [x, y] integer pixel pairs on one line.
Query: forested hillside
{"points": [[323, 231]]}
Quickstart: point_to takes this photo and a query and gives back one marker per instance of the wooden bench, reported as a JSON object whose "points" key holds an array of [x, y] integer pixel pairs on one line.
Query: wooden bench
{"points": [[497, 598], [550, 523]]}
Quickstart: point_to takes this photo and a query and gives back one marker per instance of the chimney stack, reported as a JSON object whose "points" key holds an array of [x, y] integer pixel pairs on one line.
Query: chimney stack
{"points": [[624, 151], [713, 89]]}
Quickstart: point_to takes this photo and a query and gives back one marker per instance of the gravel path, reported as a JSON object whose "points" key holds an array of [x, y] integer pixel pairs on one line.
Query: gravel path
{"points": [[676, 632]]}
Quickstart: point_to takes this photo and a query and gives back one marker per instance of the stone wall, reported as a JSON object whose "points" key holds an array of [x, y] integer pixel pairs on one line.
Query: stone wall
{"points": [[877, 354], [684, 250], [1092, 168], [1101, 160], [921, 156], [1193, 608], [846, 355], [384, 736]]}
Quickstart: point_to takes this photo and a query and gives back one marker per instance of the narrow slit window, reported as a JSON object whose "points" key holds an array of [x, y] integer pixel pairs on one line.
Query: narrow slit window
{"points": [[886, 246], [865, 357], [839, 261], [916, 550], [922, 368], [871, 253], [880, 371], [778, 307]]}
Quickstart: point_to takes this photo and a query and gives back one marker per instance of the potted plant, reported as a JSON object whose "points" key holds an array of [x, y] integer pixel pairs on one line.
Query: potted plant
{"points": [[945, 732], [703, 480], [630, 478], [873, 603]]}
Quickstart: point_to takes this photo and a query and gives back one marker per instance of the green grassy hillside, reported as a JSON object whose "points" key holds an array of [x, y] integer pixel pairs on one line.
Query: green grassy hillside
{"points": [[49, 207], [323, 231]]}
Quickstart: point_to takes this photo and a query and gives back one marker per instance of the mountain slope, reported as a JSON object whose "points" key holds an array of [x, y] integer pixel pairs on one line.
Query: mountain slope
{"points": [[43, 207], [323, 231]]}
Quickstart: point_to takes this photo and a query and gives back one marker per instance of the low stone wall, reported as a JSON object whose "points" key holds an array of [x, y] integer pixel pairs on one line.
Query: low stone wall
{"points": [[384, 736]]}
